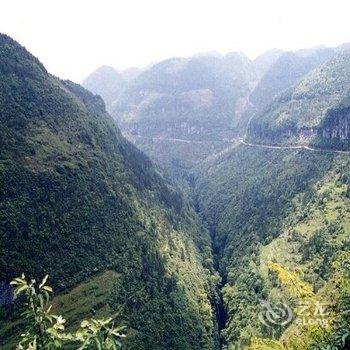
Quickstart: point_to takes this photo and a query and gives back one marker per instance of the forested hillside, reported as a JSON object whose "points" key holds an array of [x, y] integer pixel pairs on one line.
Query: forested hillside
{"points": [[82, 204], [261, 236], [314, 111], [285, 72], [278, 213], [192, 99], [280, 220], [180, 110]]}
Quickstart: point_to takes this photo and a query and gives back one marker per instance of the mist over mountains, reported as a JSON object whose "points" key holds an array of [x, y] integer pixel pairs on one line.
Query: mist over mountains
{"points": [[189, 108]]}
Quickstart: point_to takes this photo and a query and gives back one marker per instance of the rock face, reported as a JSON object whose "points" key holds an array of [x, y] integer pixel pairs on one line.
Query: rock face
{"points": [[314, 111], [337, 125], [334, 131]]}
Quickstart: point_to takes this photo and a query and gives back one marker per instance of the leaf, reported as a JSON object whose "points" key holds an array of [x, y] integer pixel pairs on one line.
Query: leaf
{"points": [[84, 324], [98, 343], [20, 289], [41, 301], [47, 288], [43, 281]]}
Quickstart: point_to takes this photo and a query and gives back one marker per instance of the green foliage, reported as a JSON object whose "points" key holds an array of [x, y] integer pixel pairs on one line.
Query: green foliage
{"points": [[99, 334], [77, 199], [340, 338], [264, 344], [46, 331], [310, 111], [285, 207], [296, 287], [288, 69]]}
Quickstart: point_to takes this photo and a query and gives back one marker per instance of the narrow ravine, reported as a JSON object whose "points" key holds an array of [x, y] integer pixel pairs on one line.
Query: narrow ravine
{"points": [[221, 314], [220, 309]]}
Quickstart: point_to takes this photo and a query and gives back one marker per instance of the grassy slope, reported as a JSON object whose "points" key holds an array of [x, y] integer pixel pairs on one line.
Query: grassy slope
{"points": [[78, 199]]}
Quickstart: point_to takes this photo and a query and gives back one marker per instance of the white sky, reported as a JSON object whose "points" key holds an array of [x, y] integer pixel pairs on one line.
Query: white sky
{"points": [[74, 37]]}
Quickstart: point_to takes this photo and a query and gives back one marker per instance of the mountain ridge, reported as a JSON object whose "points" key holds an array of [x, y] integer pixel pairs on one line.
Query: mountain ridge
{"points": [[78, 199]]}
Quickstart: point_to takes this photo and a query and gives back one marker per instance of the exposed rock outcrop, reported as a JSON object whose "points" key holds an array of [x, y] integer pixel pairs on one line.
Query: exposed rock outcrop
{"points": [[336, 125]]}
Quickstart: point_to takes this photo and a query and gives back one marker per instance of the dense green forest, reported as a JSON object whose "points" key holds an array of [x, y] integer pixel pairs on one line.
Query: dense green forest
{"points": [[78, 200], [306, 113], [217, 244], [291, 208]]}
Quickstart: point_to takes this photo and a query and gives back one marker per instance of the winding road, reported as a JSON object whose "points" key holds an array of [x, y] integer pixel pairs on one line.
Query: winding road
{"points": [[308, 148], [243, 142]]}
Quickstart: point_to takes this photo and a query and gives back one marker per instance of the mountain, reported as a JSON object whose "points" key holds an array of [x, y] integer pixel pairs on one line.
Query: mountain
{"points": [[240, 68], [81, 203], [131, 73], [314, 111], [108, 83], [263, 62], [191, 99], [258, 258], [181, 110], [279, 219], [285, 72]]}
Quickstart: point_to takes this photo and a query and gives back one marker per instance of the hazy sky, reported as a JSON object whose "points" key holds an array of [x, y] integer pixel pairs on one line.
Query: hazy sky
{"points": [[74, 37]]}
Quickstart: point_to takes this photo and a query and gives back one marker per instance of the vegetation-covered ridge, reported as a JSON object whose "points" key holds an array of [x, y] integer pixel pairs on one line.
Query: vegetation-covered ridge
{"points": [[279, 218], [196, 99], [314, 112], [183, 110], [77, 199], [81, 203]]}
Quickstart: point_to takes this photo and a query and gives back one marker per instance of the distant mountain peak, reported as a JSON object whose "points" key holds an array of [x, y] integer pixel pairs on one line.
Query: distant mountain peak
{"points": [[208, 54], [263, 62], [107, 82]]}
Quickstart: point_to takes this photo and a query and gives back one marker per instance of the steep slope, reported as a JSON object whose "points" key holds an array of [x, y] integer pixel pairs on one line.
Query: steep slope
{"points": [[79, 202], [280, 219], [191, 99], [108, 83], [286, 207], [181, 110], [263, 62], [286, 71], [315, 111]]}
